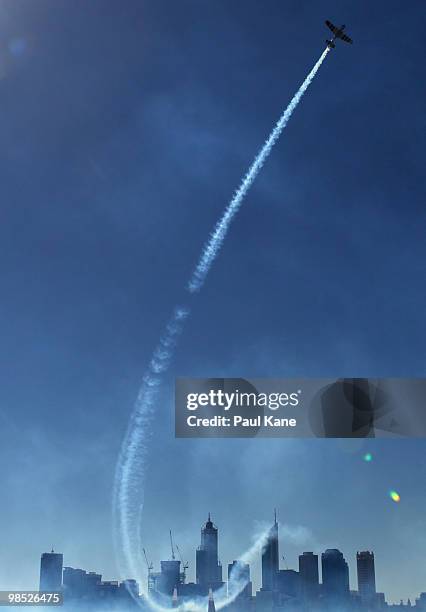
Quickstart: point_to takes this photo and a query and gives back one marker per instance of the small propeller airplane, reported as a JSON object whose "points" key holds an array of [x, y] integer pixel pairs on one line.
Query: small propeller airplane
{"points": [[338, 33]]}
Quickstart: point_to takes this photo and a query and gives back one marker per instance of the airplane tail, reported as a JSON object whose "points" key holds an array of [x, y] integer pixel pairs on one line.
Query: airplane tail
{"points": [[330, 44]]}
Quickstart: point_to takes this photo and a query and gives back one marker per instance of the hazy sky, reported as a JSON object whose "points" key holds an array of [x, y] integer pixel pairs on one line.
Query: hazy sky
{"points": [[125, 127]]}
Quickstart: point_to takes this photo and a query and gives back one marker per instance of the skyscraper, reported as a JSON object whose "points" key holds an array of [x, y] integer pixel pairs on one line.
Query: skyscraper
{"points": [[51, 571], [335, 574], [366, 575], [240, 572], [208, 569], [309, 578], [270, 563], [169, 577]]}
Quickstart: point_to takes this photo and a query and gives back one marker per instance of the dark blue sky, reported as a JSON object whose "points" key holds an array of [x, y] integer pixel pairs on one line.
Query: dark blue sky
{"points": [[125, 128]]}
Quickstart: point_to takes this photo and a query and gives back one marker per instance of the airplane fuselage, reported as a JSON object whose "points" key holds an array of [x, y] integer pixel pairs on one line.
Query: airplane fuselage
{"points": [[337, 33]]}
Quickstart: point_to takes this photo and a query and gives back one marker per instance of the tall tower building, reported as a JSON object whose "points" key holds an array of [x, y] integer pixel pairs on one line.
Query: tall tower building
{"points": [[208, 569], [309, 578], [335, 574], [366, 575], [270, 563], [51, 571]]}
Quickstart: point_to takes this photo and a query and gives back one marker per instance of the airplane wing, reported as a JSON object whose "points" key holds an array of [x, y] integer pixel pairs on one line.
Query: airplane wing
{"points": [[331, 26], [346, 38]]}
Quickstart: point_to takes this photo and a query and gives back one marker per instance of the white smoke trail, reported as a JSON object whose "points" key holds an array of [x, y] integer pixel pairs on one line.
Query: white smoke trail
{"points": [[131, 465], [214, 244], [237, 581], [128, 496]]}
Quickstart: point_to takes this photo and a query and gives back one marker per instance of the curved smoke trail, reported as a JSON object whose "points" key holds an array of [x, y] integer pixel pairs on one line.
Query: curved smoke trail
{"points": [[128, 496], [130, 470]]}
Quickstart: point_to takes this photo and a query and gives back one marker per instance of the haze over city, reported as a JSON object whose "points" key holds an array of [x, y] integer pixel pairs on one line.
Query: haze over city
{"points": [[126, 128]]}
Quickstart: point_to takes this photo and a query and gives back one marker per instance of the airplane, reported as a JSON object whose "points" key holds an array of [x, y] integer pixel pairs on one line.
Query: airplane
{"points": [[338, 33]]}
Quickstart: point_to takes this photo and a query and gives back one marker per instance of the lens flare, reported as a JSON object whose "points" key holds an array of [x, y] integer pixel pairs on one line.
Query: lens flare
{"points": [[395, 496], [368, 457]]}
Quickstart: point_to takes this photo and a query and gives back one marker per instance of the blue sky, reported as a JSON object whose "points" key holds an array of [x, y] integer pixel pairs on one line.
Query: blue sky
{"points": [[125, 129]]}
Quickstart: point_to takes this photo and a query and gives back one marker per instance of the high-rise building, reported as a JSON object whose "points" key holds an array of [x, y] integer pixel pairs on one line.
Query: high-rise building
{"points": [[288, 583], [169, 578], [309, 577], [75, 582], [240, 572], [78, 583], [366, 575], [208, 568], [51, 571], [335, 574], [270, 563]]}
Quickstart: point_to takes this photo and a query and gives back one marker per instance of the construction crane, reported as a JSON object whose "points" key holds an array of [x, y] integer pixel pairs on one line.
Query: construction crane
{"points": [[185, 564], [171, 544], [148, 564], [150, 567]]}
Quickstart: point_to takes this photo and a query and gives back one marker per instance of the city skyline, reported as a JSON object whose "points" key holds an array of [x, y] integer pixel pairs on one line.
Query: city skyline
{"points": [[126, 127], [332, 579]]}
